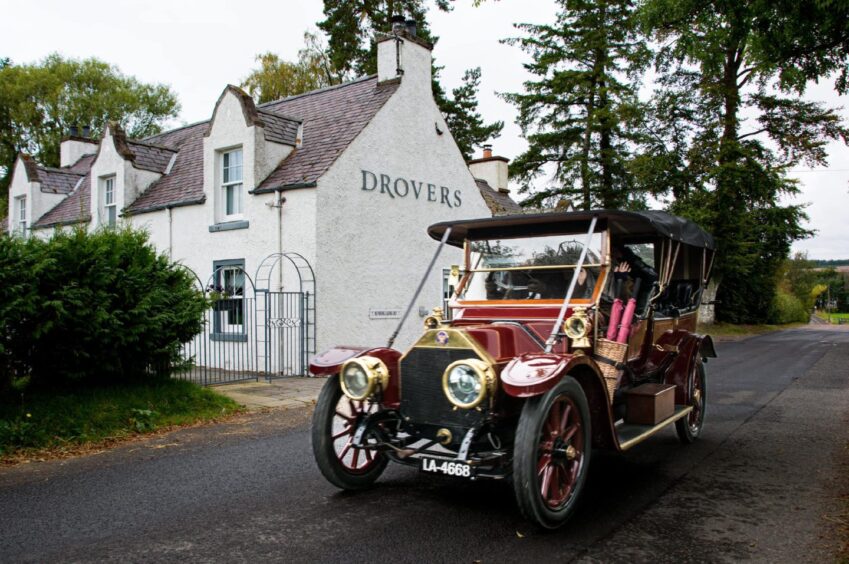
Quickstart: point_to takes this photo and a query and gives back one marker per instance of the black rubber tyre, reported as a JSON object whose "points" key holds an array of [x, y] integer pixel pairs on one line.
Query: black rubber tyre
{"points": [[340, 465], [689, 428], [548, 477]]}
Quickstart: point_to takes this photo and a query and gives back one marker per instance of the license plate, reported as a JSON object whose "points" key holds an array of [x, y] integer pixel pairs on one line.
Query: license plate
{"points": [[447, 467]]}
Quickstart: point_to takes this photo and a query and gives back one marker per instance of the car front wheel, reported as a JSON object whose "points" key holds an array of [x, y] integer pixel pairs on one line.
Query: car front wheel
{"points": [[334, 424], [552, 454]]}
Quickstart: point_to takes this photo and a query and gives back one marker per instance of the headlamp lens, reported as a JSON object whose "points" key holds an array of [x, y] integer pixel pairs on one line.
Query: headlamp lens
{"points": [[355, 380], [464, 384]]}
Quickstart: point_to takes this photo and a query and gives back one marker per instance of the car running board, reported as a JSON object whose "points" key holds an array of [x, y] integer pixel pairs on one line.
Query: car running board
{"points": [[630, 434]]}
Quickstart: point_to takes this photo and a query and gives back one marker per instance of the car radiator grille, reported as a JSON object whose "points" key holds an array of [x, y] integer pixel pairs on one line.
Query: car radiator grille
{"points": [[422, 398]]}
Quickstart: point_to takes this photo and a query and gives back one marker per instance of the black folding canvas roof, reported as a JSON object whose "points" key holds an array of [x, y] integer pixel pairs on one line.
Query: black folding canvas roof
{"points": [[630, 223]]}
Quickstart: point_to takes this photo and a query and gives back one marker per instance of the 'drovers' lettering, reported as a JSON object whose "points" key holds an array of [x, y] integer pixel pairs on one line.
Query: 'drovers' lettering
{"points": [[400, 188]]}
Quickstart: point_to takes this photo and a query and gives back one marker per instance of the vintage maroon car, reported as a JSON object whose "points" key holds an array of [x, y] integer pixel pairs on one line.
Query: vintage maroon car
{"points": [[566, 332]]}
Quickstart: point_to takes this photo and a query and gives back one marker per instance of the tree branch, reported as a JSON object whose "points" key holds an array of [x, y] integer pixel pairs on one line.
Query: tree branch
{"points": [[751, 133]]}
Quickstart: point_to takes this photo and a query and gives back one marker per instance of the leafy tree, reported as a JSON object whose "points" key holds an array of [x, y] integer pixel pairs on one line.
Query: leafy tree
{"points": [[276, 78], [579, 111], [351, 26], [728, 122], [40, 102]]}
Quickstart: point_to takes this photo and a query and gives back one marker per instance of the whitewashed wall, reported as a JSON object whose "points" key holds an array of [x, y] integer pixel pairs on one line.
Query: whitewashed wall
{"points": [[363, 228], [130, 182], [372, 244], [38, 203]]}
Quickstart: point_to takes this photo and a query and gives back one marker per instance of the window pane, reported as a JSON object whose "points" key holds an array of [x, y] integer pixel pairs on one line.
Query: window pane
{"points": [[231, 167], [233, 197], [111, 215]]}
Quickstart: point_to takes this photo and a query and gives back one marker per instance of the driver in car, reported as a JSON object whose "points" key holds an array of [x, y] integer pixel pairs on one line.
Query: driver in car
{"points": [[539, 285]]}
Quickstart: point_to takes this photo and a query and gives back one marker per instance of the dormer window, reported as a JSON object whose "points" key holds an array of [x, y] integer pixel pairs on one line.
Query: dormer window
{"points": [[110, 206], [232, 190], [22, 214]]}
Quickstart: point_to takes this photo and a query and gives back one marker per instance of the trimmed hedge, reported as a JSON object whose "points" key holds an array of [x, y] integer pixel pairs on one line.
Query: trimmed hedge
{"points": [[91, 306]]}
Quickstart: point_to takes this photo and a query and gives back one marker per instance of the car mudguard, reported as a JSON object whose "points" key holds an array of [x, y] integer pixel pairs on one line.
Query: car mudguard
{"points": [[330, 362], [691, 348], [533, 374]]}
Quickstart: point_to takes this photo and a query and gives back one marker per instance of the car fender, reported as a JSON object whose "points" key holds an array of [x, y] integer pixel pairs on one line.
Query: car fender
{"points": [[691, 348], [533, 374], [330, 362]]}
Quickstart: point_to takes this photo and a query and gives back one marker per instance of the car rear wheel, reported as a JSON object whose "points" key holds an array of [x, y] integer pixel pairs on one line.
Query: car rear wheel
{"points": [[689, 428], [552, 454], [334, 424]]}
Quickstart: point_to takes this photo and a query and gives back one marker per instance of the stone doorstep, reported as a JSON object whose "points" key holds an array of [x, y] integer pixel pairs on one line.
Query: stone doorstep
{"points": [[287, 393]]}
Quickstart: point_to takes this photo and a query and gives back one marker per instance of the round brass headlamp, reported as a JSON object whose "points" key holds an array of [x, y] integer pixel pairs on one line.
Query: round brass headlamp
{"points": [[360, 377], [466, 383], [577, 328]]}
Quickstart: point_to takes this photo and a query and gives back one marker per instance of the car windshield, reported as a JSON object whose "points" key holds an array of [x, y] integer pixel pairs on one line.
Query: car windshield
{"points": [[532, 268]]}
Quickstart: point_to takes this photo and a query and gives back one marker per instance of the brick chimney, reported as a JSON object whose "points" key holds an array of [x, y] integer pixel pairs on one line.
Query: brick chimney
{"points": [[492, 169], [402, 54]]}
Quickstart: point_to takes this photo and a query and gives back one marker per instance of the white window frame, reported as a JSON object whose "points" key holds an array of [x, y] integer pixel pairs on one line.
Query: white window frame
{"points": [[110, 205], [228, 184], [21, 208], [230, 282]]}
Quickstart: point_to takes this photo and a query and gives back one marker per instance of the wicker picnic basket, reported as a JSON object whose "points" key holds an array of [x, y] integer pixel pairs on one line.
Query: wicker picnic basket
{"points": [[610, 353]]}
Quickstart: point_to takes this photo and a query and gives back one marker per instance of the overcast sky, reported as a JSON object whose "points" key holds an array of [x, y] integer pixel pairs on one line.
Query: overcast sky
{"points": [[198, 47]]}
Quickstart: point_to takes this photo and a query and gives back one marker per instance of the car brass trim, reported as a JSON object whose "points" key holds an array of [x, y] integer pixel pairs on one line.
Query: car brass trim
{"points": [[484, 374], [649, 432], [376, 374], [537, 267]]}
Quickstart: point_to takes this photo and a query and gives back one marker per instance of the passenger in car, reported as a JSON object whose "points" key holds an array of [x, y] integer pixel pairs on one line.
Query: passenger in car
{"points": [[628, 267]]}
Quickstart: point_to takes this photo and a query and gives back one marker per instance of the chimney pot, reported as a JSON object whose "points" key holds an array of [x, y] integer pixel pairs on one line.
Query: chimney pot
{"points": [[487, 151], [73, 131], [86, 131], [411, 27], [398, 24]]}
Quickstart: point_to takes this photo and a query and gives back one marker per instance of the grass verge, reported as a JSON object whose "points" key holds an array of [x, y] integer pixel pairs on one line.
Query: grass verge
{"points": [[732, 332], [67, 419], [834, 317]]}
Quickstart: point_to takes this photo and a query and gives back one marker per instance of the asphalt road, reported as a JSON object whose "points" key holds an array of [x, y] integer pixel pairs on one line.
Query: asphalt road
{"points": [[759, 485]]}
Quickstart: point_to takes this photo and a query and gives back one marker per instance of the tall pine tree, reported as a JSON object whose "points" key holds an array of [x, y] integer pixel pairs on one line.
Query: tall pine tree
{"points": [[579, 111], [351, 26]]}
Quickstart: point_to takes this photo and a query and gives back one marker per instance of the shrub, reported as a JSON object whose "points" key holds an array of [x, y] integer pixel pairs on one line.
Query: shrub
{"points": [[787, 308], [104, 305]]}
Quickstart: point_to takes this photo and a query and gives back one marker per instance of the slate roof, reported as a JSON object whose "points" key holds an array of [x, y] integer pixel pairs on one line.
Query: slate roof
{"points": [[73, 209], [280, 129], [58, 180], [332, 118], [83, 164], [183, 185], [499, 203], [150, 157]]}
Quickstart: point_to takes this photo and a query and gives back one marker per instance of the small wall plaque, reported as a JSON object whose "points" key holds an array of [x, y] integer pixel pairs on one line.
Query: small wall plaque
{"points": [[384, 313]]}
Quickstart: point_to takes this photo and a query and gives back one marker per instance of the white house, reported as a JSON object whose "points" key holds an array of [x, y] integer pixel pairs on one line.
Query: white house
{"points": [[308, 213]]}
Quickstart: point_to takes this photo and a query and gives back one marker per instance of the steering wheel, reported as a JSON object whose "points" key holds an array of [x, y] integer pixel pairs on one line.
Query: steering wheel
{"points": [[503, 280]]}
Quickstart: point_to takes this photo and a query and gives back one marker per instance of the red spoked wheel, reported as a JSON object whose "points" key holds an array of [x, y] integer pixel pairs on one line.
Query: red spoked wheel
{"points": [[552, 454], [334, 425], [690, 427], [561, 452], [346, 418]]}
